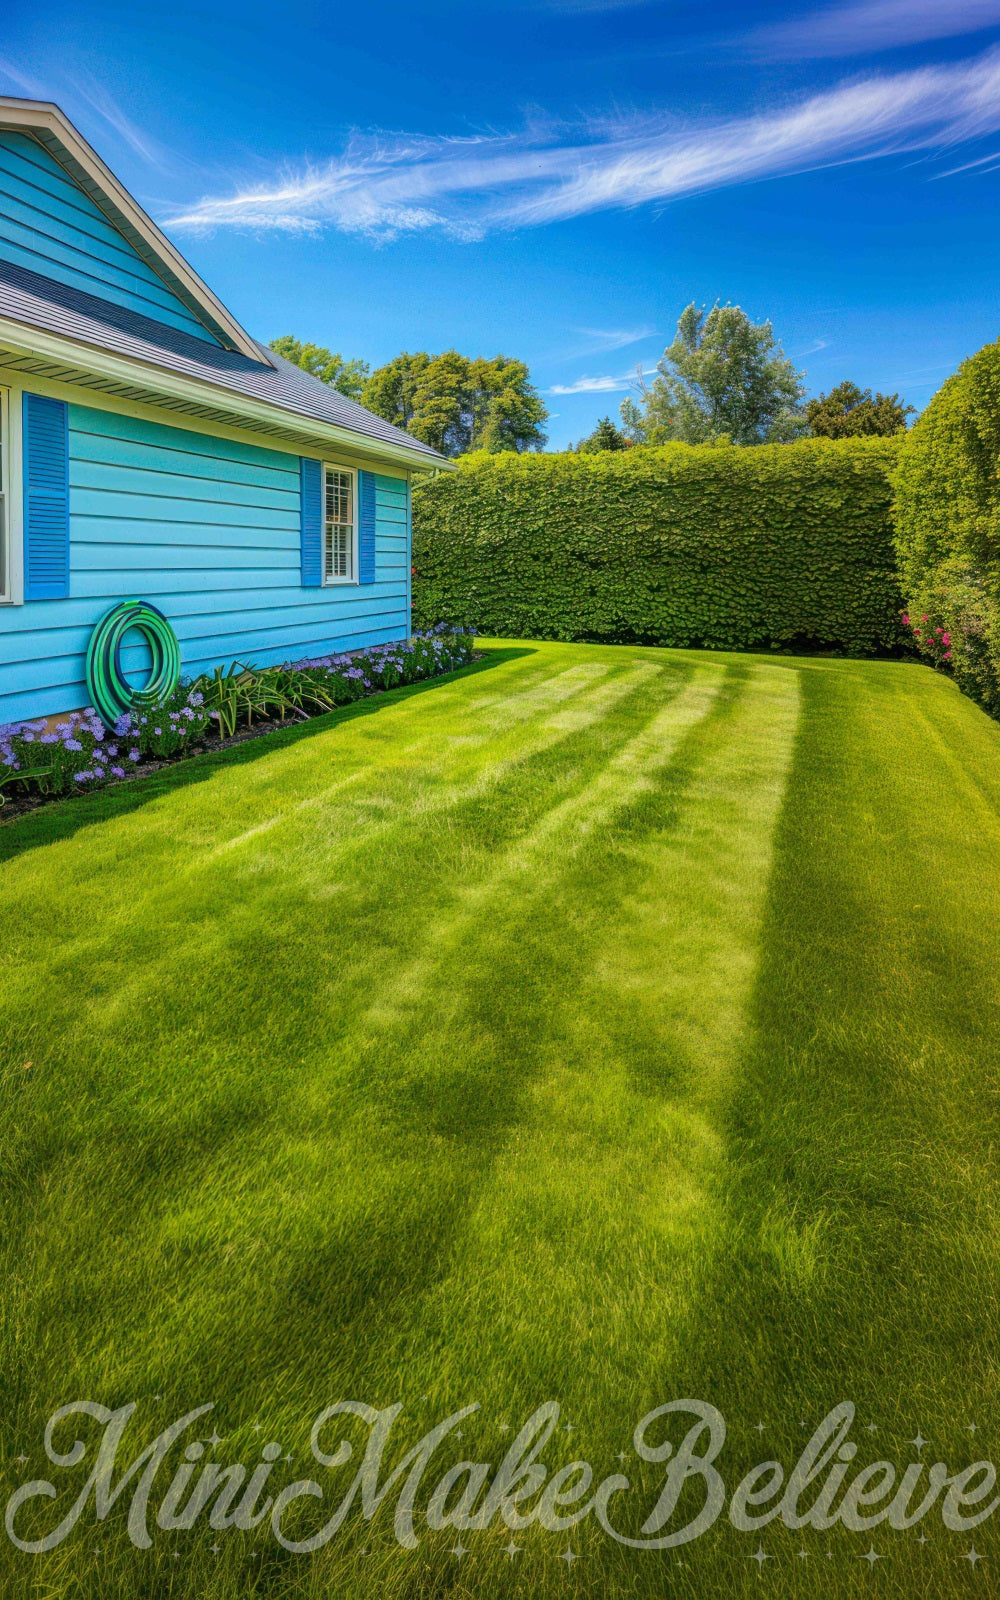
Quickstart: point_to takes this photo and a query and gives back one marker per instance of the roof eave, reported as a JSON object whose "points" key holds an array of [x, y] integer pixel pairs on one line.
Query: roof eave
{"points": [[21, 338]]}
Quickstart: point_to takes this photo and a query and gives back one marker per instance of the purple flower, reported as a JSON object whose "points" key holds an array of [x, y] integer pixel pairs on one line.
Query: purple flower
{"points": [[73, 744], [118, 772], [133, 755], [49, 738], [82, 777]]}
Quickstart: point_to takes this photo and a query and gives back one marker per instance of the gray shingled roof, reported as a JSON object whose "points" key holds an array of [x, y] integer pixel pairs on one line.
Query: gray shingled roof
{"points": [[40, 302]]}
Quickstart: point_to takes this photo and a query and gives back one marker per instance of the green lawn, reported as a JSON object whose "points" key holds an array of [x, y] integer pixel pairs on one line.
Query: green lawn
{"points": [[601, 1025]]}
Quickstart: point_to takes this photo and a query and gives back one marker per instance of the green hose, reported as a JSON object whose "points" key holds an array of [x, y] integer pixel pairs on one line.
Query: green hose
{"points": [[110, 691]]}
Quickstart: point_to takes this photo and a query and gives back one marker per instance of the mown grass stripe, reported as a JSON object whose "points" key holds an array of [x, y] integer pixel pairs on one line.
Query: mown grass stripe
{"points": [[692, 1096]]}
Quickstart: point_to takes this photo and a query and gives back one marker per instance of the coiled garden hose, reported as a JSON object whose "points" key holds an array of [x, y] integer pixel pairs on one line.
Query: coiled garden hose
{"points": [[110, 691]]}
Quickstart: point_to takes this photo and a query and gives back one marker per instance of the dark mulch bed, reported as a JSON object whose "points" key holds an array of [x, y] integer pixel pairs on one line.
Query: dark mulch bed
{"points": [[20, 805]]}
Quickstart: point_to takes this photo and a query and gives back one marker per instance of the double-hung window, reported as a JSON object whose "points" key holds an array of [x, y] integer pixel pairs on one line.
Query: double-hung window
{"points": [[340, 527]]}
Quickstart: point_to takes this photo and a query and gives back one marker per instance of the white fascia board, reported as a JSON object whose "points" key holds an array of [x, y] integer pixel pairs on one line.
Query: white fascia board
{"points": [[21, 339]]}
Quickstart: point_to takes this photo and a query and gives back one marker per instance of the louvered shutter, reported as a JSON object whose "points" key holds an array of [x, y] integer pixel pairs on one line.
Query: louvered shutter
{"points": [[45, 436], [311, 478], [366, 527]]}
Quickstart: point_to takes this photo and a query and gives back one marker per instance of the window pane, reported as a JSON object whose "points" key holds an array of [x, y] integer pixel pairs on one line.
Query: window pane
{"points": [[339, 543]]}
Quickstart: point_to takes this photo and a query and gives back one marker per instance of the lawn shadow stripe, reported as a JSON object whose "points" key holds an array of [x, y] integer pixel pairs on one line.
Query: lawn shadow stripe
{"points": [[62, 818], [143, 1155], [859, 1254]]}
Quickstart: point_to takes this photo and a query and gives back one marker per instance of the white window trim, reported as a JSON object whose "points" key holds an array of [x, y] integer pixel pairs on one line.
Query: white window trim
{"points": [[352, 473], [10, 478]]}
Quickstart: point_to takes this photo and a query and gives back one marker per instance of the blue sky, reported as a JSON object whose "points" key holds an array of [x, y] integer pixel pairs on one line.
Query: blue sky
{"points": [[557, 179]]}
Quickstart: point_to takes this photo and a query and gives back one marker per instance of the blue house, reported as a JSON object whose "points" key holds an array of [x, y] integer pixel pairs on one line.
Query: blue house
{"points": [[151, 448]]}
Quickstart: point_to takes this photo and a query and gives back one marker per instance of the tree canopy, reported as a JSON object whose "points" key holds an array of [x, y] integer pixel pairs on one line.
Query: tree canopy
{"points": [[456, 404], [390, 390], [723, 377], [848, 412], [348, 377], [604, 437]]}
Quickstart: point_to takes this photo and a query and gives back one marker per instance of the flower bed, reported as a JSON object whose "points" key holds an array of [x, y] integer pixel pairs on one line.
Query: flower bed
{"points": [[80, 753]]}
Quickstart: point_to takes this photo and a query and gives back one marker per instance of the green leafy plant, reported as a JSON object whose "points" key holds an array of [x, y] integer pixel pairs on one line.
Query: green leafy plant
{"points": [[239, 693], [169, 727], [349, 377], [80, 753], [680, 545]]}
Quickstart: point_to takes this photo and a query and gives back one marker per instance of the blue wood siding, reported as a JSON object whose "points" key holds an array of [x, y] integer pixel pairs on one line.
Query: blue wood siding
{"points": [[49, 225], [208, 530]]}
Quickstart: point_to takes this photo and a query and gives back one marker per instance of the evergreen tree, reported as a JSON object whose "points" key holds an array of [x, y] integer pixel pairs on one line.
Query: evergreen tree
{"points": [[604, 437]]}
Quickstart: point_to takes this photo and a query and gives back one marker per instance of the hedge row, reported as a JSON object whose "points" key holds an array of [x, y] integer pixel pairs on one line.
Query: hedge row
{"points": [[782, 545], [948, 526]]}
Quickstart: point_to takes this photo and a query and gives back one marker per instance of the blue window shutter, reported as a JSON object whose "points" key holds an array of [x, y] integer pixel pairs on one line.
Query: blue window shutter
{"points": [[46, 498], [311, 477], [366, 527]]}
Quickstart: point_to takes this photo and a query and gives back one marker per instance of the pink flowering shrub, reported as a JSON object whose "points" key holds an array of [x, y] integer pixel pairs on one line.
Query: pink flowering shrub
{"points": [[957, 629], [932, 639]]}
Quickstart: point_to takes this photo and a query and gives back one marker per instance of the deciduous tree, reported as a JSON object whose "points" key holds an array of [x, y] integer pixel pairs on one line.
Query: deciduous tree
{"points": [[723, 376], [848, 412], [348, 377], [457, 405]]}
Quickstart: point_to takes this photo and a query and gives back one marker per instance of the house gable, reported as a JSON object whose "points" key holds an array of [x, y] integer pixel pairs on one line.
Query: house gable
{"points": [[68, 219], [49, 225]]}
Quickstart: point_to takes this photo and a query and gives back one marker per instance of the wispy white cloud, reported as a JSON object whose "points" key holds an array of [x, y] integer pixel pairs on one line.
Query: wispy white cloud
{"points": [[982, 164], [875, 25], [604, 385], [83, 97], [386, 185], [613, 338], [15, 78], [83, 86], [593, 385]]}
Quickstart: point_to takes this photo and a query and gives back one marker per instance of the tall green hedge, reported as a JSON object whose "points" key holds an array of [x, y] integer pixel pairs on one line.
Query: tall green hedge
{"points": [[947, 516], [682, 545]]}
